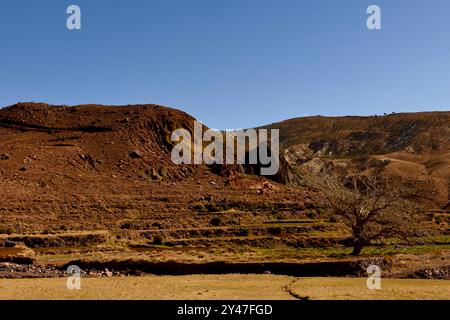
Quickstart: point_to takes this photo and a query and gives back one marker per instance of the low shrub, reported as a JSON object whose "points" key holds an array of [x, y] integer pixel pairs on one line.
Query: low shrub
{"points": [[158, 240], [199, 207], [215, 222], [333, 219], [6, 230], [311, 214], [275, 231], [243, 232]]}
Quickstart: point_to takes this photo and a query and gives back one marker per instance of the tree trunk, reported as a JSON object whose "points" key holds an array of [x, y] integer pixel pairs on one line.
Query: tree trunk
{"points": [[357, 248], [358, 239]]}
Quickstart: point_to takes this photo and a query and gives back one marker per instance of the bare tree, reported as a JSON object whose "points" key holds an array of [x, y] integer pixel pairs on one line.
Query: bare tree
{"points": [[368, 204]]}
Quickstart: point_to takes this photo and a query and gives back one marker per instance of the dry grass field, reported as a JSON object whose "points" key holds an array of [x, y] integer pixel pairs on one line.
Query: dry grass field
{"points": [[356, 289], [254, 287]]}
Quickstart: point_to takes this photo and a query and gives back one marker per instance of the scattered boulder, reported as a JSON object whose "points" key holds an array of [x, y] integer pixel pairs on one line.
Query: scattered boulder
{"points": [[207, 198], [152, 174], [10, 270], [5, 156], [268, 186], [187, 170], [442, 273], [162, 171], [107, 273], [136, 154]]}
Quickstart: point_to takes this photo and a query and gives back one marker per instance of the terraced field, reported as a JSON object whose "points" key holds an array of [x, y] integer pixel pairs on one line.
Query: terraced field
{"points": [[237, 238]]}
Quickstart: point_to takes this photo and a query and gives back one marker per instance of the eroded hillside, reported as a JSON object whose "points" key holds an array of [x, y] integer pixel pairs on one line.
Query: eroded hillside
{"points": [[414, 148]]}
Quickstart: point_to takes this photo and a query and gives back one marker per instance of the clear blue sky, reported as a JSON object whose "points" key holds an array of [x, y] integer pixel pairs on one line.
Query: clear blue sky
{"points": [[230, 63]]}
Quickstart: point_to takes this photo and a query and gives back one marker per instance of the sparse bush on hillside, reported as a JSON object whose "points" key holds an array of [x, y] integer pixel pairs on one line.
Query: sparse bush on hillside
{"points": [[333, 219], [310, 205], [311, 214], [157, 225], [215, 207], [158, 240], [6, 230], [377, 163], [135, 225], [200, 207], [441, 219], [320, 211], [215, 222], [243, 232], [128, 226], [275, 231]]}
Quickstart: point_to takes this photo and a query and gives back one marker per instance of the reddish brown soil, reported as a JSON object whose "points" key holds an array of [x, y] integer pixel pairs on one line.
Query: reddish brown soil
{"points": [[70, 168]]}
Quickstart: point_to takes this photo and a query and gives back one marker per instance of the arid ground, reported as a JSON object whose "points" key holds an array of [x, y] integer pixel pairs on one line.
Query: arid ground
{"points": [[239, 287]]}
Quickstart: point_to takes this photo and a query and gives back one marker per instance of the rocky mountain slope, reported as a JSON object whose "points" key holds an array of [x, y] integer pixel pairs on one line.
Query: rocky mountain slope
{"points": [[101, 165], [412, 147], [93, 167]]}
